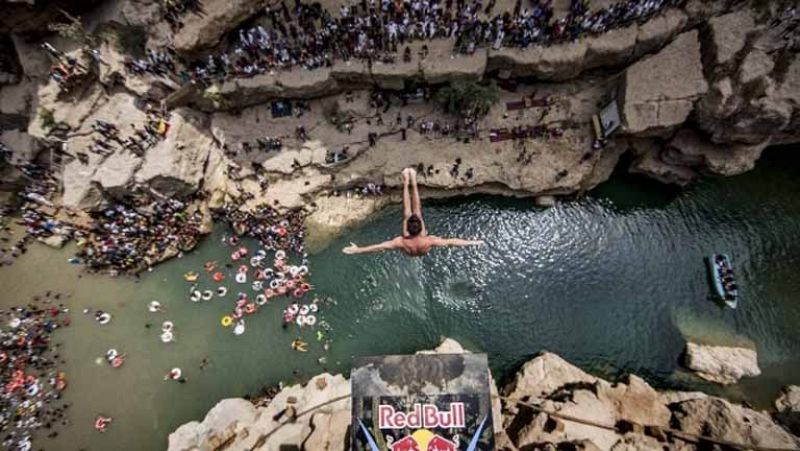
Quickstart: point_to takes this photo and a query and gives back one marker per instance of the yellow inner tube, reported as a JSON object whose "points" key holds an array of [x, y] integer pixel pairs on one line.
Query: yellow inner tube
{"points": [[226, 321]]}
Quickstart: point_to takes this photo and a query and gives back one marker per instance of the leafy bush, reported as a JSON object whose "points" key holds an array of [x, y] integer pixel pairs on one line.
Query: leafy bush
{"points": [[46, 118], [468, 99]]}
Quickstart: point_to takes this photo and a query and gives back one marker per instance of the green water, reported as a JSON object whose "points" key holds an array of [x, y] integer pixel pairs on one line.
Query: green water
{"points": [[613, 283]]}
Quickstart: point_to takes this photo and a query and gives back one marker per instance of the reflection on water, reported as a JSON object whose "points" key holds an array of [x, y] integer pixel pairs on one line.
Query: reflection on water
{"points": [[613, 283]]}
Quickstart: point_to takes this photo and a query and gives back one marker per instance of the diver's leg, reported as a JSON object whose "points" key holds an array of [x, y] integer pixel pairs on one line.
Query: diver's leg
{"points": [[416, 206], [407, 211]]}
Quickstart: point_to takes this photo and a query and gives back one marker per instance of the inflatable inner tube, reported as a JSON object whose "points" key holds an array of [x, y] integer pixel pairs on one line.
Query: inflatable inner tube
{"points": [[280, 255], [269, 292], [293, 309], [241, 277], [196, 296], [104, 318], [167, 337], [218, 277], [239, 328], [167, 326], [313, 308], [250, 309], [304, 310], [207, 295], [258, 285], [311, 320], [222, 291], [15, 322], [226, 321], [117, 362], [243, 268], [154, 306], [111, 354], [261, 299], [175, 373], [301, 320]]}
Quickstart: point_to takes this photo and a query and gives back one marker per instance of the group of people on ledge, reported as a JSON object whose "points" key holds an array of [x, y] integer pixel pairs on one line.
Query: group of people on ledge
{"points": [[311, 37]]}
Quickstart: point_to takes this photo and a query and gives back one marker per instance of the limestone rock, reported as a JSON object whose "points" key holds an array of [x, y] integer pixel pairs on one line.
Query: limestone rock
{"points": [[224, 421], [240, 425], [658, 92], [721, 364], [545, 374], [296, 83], [720, 419], [336, 213], [756, 64], [203, 31], [654, 33], [79, 190], [672, 397], [689, 149], [15, 104], [174, 166], [648, 162], [636, 401], [544, 201], [442, 66], [788, 406], [25, 147], [728, 34]]}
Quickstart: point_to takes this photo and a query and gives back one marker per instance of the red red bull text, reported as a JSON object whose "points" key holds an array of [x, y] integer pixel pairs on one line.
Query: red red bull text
{"points": [[421, 416]]}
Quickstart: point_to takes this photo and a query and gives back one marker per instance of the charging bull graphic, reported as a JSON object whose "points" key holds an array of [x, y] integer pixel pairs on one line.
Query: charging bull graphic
{"points": [[434, 402]]}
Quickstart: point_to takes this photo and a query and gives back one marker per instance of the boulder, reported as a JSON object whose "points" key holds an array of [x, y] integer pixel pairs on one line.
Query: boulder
{"points": [[728, 34], [648, 162], [79, 189], [203, 31], [788, 407], [756, 64], [544, 375], [658, 92], [688, 148], [175, 166], [15, 105], [719, 419], [24, 146], [223, 422], [721, 364], [544, 201]]}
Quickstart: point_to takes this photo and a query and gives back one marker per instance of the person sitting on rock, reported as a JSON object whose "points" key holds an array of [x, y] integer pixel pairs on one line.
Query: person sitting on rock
{"points": [[415, 240]]}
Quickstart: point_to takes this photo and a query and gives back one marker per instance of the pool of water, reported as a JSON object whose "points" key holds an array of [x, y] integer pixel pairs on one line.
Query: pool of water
{"points": [[614, 282]]}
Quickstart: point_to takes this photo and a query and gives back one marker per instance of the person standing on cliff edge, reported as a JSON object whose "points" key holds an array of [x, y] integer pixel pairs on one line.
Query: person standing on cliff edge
{"points": [[415, 240]]}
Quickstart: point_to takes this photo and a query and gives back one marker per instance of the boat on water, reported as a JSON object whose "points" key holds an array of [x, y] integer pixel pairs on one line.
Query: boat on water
{"points": [[720, 267]]}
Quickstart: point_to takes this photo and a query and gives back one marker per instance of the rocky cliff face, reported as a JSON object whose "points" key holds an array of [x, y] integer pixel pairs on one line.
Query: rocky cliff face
{"points": [[631, 415], [702, 89]]}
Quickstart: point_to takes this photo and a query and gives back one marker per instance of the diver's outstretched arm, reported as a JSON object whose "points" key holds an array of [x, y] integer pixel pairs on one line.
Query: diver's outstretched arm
{"points": [[445, 242], [380, 247]]}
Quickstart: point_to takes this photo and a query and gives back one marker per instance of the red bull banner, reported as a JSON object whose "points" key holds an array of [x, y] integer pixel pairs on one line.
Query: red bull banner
{"points": [[429, 402]]}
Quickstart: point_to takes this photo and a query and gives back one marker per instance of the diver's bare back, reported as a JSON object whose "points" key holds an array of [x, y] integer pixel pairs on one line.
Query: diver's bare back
{"points": [[415, 240]]}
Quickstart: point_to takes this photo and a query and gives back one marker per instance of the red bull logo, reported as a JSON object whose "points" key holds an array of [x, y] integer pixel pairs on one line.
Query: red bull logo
{"points": [[423, 440], [421, 416]]}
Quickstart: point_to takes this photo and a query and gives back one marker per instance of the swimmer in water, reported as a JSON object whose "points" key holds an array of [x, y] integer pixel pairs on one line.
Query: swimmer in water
{"points": [[415, 240]]}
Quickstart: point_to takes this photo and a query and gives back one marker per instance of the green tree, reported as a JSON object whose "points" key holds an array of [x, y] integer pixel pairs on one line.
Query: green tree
{"points": [[468, 99], [46, 119]]}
